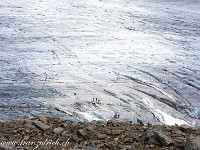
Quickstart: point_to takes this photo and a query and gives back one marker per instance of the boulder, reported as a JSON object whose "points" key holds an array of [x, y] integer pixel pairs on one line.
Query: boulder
{"points": [[30, 126], [82, 133], [192, 143], [140, 123], [41, 125], [90, 128], [43, 118], [162, 138], [58, 130], [148, 134]]}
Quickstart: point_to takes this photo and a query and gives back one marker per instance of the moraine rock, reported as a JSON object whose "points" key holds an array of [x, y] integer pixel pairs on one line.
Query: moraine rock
{"points": [[162, 138], [101, 136], [82, 132], [5, 147], [90, 128], [41, 125], [43, 118], [148, 134], [58, 130], [192, 143], [140, 123], [30, 126]]}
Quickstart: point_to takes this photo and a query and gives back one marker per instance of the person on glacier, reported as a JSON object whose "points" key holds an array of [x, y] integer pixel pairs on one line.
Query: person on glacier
{"points": [[93, 102]]}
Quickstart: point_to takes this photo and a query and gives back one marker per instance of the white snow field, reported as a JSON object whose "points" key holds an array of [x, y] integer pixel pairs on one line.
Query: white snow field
{"points": [[140, 58]]}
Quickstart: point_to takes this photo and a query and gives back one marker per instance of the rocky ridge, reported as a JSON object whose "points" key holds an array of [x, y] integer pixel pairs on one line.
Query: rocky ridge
{"points": [[46, 132]]}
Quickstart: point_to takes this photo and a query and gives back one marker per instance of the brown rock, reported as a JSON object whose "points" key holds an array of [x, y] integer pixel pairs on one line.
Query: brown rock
{"points": [[83, 133], [116, 132], [140, 123], [128, 140]]}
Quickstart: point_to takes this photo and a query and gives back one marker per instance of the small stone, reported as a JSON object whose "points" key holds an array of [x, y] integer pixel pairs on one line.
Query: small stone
{"points": [[101, 136], [99, 145], [76, 138], [192, 143], [58, 130], [43, 118], [41, 125], [136, 144], [26, 137], [64, 133], [5, 147], [128, 140], [116, 132], [30, 126], [116, 139], [90, 128], [162, 138], [88, 148]]}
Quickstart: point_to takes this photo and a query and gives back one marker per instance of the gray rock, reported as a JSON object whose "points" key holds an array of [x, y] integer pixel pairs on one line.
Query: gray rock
{"points": [[90, 128], [162, 138], [136, 144], [148, 134], [101, 136], [64, 133], [30, 126], [5, 147], [43, 119], [88, 148], [76, 138], [192, 143], [41, 125], [58, 130], [116, 139]]}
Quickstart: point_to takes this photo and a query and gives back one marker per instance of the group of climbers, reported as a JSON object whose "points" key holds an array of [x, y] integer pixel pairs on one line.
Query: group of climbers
{"points": [[97, 101], [94, 102]]}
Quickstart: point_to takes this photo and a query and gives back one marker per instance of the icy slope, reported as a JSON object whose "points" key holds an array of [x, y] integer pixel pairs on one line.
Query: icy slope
{"points": [[140, 58]]}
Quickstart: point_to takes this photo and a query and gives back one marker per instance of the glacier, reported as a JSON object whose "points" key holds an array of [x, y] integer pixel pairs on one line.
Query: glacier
{"points": [[139, 58]]}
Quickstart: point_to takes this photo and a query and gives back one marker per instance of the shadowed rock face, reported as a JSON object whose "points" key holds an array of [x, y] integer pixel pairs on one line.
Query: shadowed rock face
{"points": [[193, 142], [141, 59], [54, 133]]}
